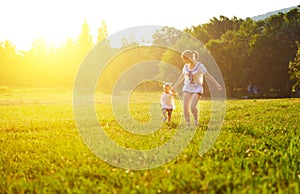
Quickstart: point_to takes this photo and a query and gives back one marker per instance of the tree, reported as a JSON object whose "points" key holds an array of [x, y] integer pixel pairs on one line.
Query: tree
{"points": [[273, 49], [294, 68], [215, 28], [85, 41], [9, 60], [166, 36], [102, 32], [231, 51]]}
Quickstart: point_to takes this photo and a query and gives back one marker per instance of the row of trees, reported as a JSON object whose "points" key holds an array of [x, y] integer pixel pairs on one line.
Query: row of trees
{"points": [[261, 53], [43, 65], [255, 52]]}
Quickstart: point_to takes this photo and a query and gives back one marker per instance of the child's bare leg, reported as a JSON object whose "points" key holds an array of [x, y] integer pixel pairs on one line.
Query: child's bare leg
{"points": [[164, 112], [169, 115]]}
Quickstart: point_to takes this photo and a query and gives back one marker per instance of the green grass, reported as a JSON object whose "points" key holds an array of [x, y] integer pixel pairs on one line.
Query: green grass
{"points": [[41, 150]]}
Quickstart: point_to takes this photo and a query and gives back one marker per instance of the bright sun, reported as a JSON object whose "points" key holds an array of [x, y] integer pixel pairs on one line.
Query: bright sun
{"points": [[49, 20]]}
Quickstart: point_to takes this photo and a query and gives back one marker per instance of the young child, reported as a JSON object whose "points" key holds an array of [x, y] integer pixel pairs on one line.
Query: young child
{"points": [[167, 102]]}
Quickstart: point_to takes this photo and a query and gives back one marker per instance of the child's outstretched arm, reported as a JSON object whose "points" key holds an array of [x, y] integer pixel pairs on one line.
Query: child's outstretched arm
{"points": [[174, 93]]}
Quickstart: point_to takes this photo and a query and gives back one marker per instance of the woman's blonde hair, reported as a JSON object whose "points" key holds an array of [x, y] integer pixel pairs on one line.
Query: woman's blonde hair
{"points": [[191, 55]]}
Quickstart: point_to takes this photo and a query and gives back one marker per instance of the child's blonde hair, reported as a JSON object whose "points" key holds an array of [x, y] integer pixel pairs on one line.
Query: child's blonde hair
{"points": [[167, 85]]}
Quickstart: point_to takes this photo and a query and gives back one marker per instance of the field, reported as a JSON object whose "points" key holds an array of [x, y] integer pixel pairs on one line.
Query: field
{"points": [[41, 149]]}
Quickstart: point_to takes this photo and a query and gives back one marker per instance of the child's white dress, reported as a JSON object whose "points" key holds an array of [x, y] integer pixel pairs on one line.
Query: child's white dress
{"points": [[167, 101]]}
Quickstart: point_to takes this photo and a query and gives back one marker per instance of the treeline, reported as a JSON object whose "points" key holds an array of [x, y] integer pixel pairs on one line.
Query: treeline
{"points": [[256, 58], [44, 66], [248, 52], [258, 53]]}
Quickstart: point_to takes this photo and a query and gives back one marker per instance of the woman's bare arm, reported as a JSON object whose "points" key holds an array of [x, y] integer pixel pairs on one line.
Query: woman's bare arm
{"points": [[212, 79], [178, 81]]}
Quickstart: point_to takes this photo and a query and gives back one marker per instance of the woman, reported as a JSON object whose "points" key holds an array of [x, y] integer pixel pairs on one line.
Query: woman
{"points": [[192, 74]]}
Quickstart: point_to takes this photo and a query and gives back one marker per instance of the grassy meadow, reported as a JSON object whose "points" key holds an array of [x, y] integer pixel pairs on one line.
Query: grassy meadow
{"points": [[41, 150]]}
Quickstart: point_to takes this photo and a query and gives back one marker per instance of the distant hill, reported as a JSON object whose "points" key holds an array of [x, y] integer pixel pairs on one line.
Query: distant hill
{"points": [[266, 15]]}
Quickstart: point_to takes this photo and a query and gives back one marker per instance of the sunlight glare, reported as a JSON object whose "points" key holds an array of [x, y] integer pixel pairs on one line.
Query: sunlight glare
{"points": [[24, 21]]}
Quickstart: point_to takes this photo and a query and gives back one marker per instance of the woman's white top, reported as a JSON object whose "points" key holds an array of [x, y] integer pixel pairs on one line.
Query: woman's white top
{"points": [[193, 78], [167, 101]]}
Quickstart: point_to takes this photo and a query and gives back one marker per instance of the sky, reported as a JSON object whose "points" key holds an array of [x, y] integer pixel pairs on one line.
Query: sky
{"points": [[23, 21]]}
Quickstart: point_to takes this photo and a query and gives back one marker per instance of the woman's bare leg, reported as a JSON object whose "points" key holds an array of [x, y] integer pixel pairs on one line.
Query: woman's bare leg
{"points": [[194, 110], [186, 104]]}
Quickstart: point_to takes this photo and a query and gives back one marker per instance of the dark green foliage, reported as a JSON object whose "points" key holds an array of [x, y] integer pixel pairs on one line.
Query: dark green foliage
{"points": [[252, 52]]}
